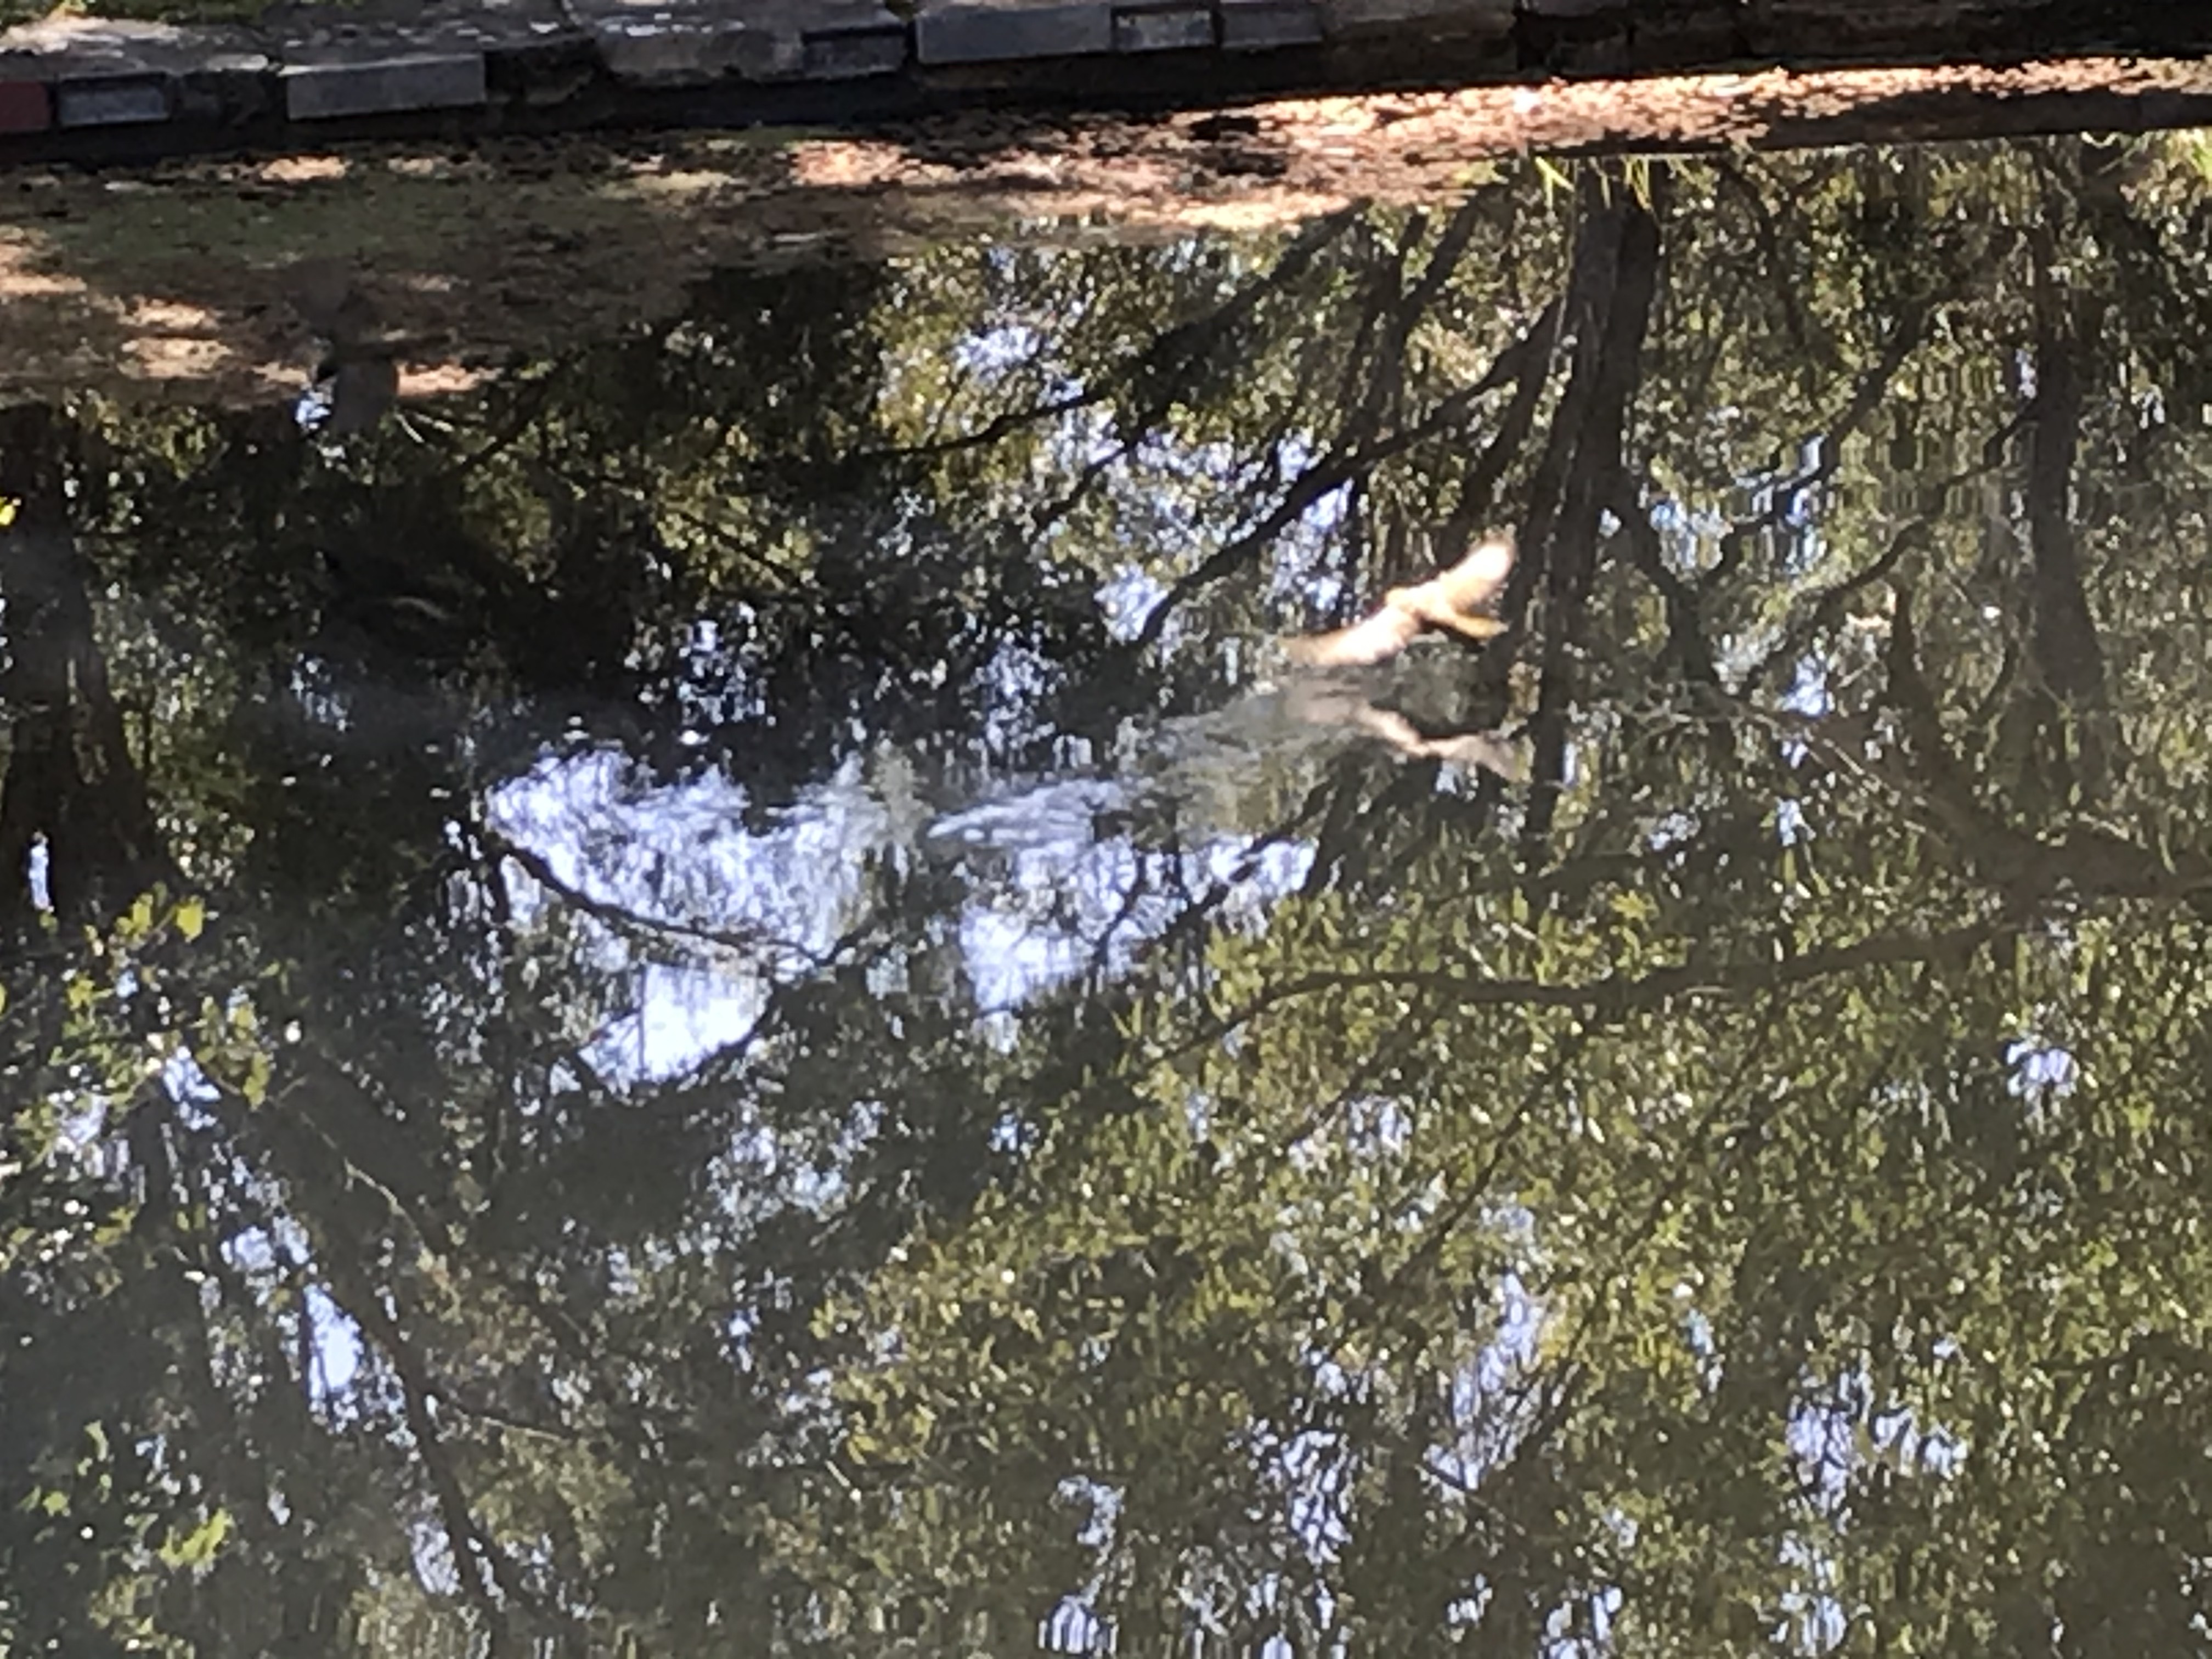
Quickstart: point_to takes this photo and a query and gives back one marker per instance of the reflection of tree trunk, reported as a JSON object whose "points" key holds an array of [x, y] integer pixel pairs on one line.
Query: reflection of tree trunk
{"points": [[1615, 279], [2069, 656], [71, 782], [1532, 372], [2028, 871], [475, 1551]]}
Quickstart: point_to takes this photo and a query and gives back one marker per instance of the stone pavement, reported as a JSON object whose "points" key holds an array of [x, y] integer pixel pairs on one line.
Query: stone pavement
{"points": [[305, 74]]}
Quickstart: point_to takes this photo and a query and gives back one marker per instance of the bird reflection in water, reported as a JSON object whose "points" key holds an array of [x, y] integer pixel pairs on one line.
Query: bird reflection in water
{"points": [[1325, 688], [1335, 689]]}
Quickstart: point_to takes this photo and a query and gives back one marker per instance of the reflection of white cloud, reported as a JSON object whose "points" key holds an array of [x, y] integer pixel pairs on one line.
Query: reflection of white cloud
{"points": [[734, 911], [1060, 905], [680, 856], [1129, 599]]}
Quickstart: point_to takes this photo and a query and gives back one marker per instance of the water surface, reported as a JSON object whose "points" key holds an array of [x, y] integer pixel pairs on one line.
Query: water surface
{"points": [[718, 999]]}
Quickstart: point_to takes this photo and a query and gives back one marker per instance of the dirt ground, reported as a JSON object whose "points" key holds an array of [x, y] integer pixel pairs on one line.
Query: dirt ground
{"points": [[184, 282]]}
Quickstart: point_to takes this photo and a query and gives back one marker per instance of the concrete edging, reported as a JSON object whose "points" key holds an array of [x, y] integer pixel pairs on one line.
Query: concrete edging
{"points": [[111, 90]]}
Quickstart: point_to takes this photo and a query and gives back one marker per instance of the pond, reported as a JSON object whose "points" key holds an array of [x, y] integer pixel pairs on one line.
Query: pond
{"points": [[741, 993]]}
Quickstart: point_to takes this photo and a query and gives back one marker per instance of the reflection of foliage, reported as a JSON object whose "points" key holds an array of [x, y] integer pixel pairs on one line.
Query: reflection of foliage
{"points": [[1747, 1183]]}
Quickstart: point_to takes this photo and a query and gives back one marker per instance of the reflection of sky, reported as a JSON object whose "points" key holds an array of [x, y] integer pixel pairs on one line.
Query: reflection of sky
{"points": [[267, 1258], [1066, 905], [680, 854], [1051, 899]]}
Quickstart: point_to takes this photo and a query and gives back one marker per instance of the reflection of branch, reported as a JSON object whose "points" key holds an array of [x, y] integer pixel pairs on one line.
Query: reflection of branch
{"points": [[1613, 287], [69, 775], [1339, 467], [1828, 608], [449, 1395], [1180, 346], [2086, 860], [1904, 340], [724, 537], [533, 399], [1511, 434], [1687, 1167], [1101, 950], [1613, 995], [2067, 653], [625, 919], [1686, 627], [1770, 257], [1828, 605], [465, 1536]]}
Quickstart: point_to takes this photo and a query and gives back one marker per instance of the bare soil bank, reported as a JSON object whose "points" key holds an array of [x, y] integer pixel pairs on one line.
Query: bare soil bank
{"points": [[183, 282]]}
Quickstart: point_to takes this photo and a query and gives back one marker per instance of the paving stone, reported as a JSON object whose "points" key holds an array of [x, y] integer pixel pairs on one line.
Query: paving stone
{"points": [[845, 39], [1258, 25], [315, 31], [112, 103], [108, 71], [1164, 28], [1458, 18], [985, 31], [673, 43], [223, 97], [1697, 40], [385, 86], [24, 107], [848, 54], [1811, 27], [532, 53]]}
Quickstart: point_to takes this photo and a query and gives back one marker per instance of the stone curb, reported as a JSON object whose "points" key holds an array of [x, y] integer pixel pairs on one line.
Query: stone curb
{"points": [[98, 89]]}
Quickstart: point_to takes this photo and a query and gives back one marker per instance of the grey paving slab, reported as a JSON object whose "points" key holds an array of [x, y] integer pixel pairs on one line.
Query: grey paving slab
{"points": [[1458, 18], [848, 53], [121, 101], [844, 39], [1261, 25], [1164, 28], [385, 86], [25, 106], [667, 43], [991, 31]]}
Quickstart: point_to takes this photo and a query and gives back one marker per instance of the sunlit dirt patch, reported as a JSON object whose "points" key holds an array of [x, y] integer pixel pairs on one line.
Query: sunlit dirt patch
{"points": [[302, 169], [516, 249], [20, 279], [166, 358]]}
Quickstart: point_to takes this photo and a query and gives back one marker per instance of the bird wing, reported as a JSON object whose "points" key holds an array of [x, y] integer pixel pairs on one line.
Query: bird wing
{"points": [[1474, 580], [1447, 601], [1379, 638]]}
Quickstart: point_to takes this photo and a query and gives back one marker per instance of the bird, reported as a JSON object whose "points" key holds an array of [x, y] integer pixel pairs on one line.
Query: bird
{"points": [[1451, 601]]}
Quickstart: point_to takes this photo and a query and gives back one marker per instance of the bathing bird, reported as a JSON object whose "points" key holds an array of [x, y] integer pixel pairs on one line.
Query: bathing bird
{"points": [[1451, 601]]}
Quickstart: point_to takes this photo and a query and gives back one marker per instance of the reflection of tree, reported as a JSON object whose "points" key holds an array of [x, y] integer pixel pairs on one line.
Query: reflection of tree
{"points": [[1747, 1183], [74, 793]]}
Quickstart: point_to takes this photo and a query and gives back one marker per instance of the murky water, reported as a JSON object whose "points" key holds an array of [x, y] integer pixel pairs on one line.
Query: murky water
{"points": [[733, 997]]}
